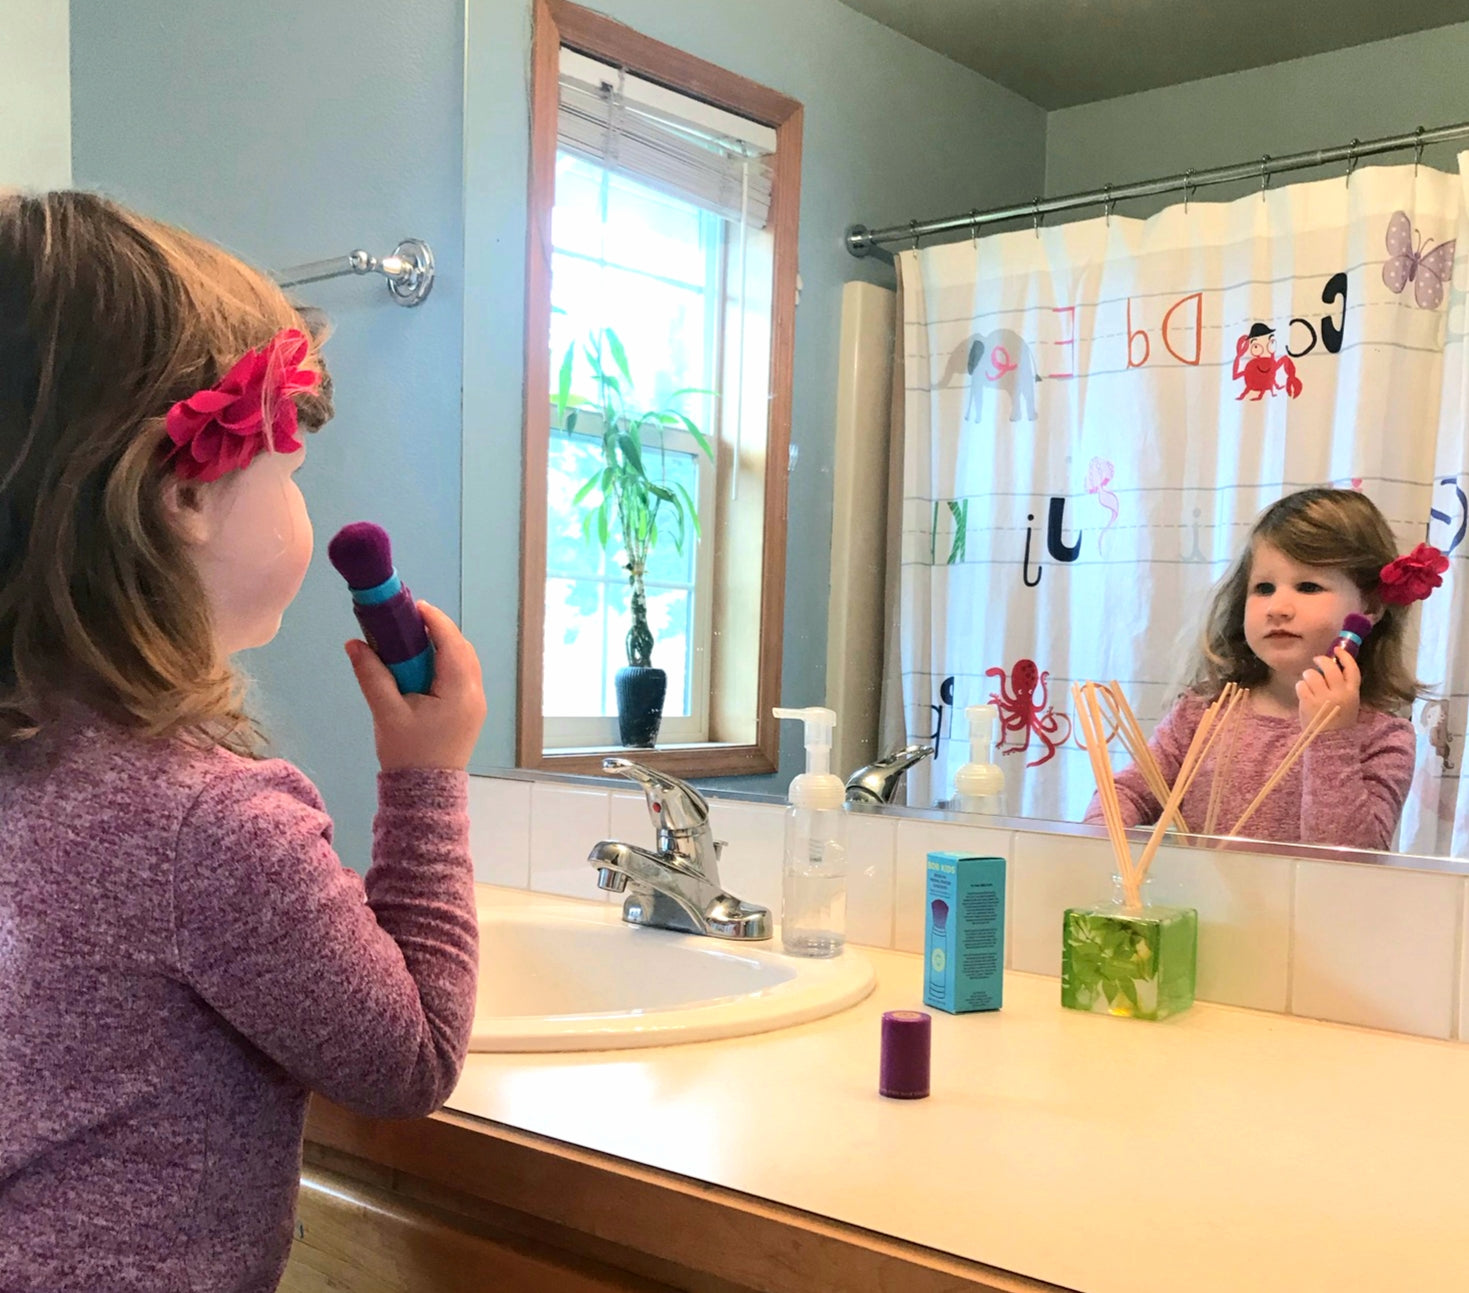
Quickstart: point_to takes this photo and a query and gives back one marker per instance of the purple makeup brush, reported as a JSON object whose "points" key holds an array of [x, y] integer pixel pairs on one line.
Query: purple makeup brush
{"points": [[1354, 631], [383, 603]]}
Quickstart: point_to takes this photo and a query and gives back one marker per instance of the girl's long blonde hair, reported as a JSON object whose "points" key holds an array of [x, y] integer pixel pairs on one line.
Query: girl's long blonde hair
{"points": [[1336, 528], [107, 319]]}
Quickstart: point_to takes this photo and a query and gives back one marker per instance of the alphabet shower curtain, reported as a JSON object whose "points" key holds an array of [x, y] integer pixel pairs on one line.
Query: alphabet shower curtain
{"points": [[1095, 414]]}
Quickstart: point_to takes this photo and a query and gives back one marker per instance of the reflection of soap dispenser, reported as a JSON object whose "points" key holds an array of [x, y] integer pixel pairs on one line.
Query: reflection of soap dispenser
{"points": [[979, 786], [813, 912]]}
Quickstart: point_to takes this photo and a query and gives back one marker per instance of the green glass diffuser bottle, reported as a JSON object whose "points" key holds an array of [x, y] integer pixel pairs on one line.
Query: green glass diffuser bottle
{"points": [[1129, 957], [1135, 961]]}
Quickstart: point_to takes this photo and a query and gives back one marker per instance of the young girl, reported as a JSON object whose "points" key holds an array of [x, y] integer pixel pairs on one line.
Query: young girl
{"points": [[1312, 558], [182, 956]]}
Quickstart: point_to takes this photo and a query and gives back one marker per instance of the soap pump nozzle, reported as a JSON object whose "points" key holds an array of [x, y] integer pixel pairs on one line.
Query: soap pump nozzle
{"points": [[817, 787]]}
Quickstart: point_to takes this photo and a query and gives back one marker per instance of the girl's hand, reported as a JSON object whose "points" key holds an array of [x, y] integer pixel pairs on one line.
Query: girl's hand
{"points": [[1338, 682], [434, 731]]}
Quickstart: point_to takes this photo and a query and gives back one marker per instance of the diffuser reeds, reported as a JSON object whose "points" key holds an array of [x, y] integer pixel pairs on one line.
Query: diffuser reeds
{"points": [[1087, 697], [1220, 722]]}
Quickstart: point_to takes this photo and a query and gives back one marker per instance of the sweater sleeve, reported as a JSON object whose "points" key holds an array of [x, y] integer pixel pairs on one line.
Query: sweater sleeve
{"points": [[363, 991], [1354, 782], [1140, 807]]}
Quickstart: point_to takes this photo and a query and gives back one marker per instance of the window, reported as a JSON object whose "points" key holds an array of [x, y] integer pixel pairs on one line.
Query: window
{"points": [[662, 229], [650, 266]]}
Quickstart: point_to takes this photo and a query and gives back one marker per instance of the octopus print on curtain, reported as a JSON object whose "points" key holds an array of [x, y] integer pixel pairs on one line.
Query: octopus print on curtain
{"points": [[1095, 414]]}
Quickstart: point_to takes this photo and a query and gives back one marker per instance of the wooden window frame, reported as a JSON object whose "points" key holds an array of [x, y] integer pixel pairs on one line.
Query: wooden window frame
{"points": [[559, 23]]}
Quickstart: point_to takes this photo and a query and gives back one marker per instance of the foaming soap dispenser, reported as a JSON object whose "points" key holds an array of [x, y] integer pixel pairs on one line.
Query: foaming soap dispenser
{"points": [[813, 898], [979, 786]]}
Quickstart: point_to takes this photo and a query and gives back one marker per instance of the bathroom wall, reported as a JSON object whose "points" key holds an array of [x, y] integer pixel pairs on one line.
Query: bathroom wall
{"points": [[1365, 92], [35, 96], [293, 132], [891, 131], [1382, 947]]}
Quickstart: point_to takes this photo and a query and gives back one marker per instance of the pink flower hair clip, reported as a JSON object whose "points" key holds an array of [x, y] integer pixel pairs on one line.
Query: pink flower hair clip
{"points": [[222, 428], [1411, 578]]}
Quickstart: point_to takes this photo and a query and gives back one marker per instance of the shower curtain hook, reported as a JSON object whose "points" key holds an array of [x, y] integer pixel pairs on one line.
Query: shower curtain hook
{"points": [[913, 225], [1351, 160], [1417, 149], [1109, 205], [974, 227], [1264, 175], [1037, 217], [1188, 184]]}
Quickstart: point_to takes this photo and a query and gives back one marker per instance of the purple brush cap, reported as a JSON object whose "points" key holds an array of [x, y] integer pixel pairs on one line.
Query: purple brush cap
{"points": [[906, 1036], [362, 554]]}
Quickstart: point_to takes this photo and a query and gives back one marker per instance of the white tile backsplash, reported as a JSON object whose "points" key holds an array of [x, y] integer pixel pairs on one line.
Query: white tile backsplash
{"points": [[1382, 947], [499, 831], [630, 820], [915, 841], [1244, 905], [754, 836], [1462, 1032], [1049, 873], [565, 822], [1376, 946], [871, 845]]}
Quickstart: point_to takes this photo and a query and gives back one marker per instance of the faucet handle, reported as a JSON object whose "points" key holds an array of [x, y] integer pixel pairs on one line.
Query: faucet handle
{"points": [[674, 805], [905, 757]]}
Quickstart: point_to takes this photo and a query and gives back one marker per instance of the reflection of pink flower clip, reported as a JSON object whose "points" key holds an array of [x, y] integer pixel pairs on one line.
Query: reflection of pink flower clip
{"points": [[1098, 477], [222, 428], [1411, 578]]}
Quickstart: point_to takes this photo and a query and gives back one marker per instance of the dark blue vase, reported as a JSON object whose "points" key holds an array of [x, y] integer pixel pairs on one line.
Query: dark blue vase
{"points": [[640, 693]]}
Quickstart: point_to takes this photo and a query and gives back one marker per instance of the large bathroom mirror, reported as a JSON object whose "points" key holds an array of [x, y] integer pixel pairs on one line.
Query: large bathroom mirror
{"points": [[1067, 522], [664, 194]]}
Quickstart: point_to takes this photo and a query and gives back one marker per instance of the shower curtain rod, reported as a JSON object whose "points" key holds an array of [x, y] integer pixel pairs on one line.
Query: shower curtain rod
{"points": [[409, 270], [862, 241]]}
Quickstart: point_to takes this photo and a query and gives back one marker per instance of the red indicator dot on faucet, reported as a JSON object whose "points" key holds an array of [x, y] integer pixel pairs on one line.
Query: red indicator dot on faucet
{"points": [[657, 807]]}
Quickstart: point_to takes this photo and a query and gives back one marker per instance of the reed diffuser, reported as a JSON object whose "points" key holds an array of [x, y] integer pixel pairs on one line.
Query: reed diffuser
{"points": [[1131, 957]]}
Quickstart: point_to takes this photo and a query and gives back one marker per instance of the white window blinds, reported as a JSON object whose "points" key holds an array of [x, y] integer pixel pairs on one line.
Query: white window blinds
{"points": [[668, 141]]}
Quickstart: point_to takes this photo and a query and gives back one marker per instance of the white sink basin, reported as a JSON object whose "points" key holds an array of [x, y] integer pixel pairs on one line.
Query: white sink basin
{"points": [[561, 978]]}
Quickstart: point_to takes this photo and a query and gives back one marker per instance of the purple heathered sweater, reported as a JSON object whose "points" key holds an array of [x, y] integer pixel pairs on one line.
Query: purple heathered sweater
{"points": [[1347, 789], [182, 959]]}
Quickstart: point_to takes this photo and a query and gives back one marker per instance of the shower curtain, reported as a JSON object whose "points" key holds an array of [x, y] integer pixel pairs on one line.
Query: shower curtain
{"points": [[1094, 415]]}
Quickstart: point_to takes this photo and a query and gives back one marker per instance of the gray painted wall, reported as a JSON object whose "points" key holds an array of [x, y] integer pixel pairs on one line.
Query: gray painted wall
{"points": [[1366, 92], [891, 132], [292, 132], [35, 106], [308, 132]]}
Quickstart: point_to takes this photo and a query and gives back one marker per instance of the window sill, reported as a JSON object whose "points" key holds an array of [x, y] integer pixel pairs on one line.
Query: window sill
{"points": [[697, 759]]}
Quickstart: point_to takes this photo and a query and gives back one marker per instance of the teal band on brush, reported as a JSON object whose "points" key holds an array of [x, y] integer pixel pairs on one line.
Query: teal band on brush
{"points": [[372, 596], [415, 675]]}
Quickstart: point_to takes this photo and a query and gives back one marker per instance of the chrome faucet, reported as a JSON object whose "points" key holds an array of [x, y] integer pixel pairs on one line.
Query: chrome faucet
{"points": [[877, 783], [678, 886]]}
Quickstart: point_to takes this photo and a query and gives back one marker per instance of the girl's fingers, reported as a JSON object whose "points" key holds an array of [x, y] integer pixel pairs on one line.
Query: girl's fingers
{"points": [[1314, 684]]}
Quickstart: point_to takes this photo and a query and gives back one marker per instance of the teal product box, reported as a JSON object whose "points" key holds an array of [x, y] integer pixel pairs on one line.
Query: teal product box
{"points": [[964, 943]]}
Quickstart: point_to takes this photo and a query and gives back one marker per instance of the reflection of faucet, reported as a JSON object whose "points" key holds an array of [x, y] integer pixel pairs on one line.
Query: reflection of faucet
{"points": [[678, 886], [878, 782]]}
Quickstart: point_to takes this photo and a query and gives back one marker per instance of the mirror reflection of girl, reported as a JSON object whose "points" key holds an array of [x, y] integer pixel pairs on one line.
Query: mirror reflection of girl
{"points": [[1312, 558], [183, 957]]}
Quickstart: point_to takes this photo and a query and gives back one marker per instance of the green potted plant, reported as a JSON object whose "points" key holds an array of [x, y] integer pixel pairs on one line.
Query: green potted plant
{"points": [[630, 507]]}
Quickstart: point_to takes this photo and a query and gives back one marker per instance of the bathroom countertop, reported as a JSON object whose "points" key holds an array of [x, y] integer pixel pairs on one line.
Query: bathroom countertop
{"points": [[1224, 1149]]}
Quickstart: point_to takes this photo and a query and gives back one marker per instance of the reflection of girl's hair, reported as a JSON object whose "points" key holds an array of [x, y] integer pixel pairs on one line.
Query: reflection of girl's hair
{"points": [[106, 319], [1336, 528]]}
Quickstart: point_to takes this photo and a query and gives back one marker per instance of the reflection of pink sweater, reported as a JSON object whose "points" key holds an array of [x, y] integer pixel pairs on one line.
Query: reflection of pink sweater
{"points": [[1346, 790], [183, 957]]}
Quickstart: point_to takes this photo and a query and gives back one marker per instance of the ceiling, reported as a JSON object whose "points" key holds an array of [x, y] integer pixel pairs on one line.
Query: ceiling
{"points": [[1058, 53]]}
